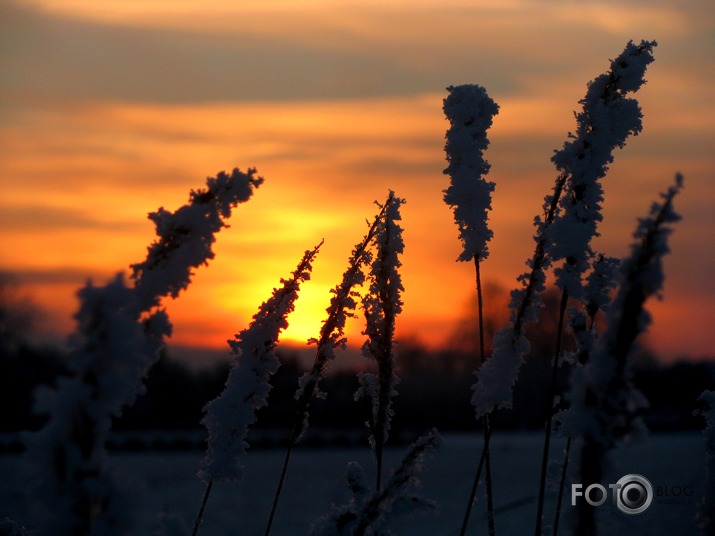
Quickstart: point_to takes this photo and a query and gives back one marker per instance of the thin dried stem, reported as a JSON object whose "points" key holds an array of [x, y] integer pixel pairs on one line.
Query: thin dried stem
{"points": [[550, 410], [485, 459], [331, 336]]}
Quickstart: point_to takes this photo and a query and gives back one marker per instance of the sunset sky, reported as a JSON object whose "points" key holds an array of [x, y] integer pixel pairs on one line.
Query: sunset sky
{"points": [[110, 109]]}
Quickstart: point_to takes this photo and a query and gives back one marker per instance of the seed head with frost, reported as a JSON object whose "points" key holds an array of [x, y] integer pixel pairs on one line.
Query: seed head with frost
{"points": [[570, 216], [120, 330], [186, 236], [608, 117], [470, 112], [382, 304], [604, 401], [332, 333], [228, 417]]}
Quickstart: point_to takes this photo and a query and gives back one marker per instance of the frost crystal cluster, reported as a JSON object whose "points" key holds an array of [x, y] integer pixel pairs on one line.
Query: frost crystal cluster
{"points": [[606, 120], [470, 112]]}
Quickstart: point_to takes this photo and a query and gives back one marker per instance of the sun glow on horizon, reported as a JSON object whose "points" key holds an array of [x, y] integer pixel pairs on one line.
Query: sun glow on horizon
{"points": [[397, 143], [334, 107]]}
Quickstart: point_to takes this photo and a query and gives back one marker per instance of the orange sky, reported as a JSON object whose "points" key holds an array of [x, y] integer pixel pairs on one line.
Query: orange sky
{"points": [[107, 113]]}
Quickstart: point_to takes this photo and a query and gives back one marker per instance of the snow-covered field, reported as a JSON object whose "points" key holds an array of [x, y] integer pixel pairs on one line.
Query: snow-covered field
{"points": [[165, 487]]}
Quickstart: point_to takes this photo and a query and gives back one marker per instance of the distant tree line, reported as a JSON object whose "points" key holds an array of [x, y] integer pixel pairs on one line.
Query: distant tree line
{"points": [[434, 391]]}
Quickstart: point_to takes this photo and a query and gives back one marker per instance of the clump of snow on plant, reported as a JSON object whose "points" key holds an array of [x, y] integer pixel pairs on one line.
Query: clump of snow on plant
{"points": [[606, 120]]}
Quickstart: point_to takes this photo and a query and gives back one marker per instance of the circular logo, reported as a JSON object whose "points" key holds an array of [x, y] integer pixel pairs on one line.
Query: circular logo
{"points": [[634, 494]]}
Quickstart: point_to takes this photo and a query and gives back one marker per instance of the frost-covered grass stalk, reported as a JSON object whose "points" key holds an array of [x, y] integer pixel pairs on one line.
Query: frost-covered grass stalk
{"points": [[186, 236], [604, 403], [369, 513], [229, 416], [120, 330], [608, 111], [470, 112], [332, 336], [382, 304], [600, 282], [605, 122], [706, 509]]}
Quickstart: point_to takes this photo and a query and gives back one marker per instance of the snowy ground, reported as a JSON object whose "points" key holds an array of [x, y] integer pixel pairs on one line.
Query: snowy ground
{"points": [[166, 486]]}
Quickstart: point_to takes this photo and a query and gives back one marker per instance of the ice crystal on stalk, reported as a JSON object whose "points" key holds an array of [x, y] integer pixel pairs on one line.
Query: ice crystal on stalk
{"points": [[597, 297], [382, 304], [571, 214], [229, 416], [605, 122], [186, 236], [470, 112]]}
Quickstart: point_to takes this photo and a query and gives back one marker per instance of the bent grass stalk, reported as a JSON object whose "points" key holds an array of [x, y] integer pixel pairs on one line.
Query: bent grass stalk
{"points": [[484, 459], [606, 121], [120, 330], [331, 337], [550, 409], [470, 111], [600, 284], [382, 304], [605, 402], [228, 417]]}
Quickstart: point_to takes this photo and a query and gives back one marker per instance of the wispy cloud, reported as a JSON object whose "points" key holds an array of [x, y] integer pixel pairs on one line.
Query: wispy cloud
{"points": [[111, 109], [176, 52], [34, 217]]}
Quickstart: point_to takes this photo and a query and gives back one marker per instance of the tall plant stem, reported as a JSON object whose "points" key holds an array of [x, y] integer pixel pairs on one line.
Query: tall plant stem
{"points": [[200, 515], [550, 414], [296, 432], [475, 484], [292, 442], [562, 485], [330, 336], [583, 358], [486, 431], [486, 428]]}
